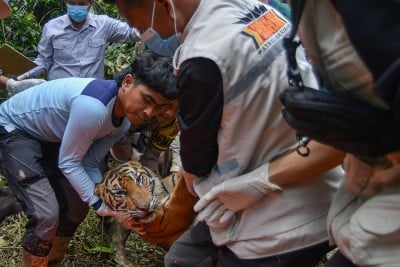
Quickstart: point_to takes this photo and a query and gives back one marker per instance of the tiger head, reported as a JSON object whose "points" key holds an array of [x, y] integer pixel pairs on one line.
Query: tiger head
{"points": [[129, 188]]}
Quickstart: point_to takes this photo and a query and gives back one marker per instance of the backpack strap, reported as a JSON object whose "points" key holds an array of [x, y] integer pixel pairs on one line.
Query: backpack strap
{"points": [[291, 44], [293, 72]]}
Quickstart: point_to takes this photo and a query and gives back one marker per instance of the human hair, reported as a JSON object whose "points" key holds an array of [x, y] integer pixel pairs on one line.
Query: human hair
{"points": [[154, 71]]}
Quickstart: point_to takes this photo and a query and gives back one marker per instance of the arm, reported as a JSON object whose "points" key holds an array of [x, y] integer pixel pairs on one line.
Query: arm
{"points": [[3, 82], [368, 180], [44, 59], [220, 204], [293, 168], [121, 32], [96, 154], [200, 103], [13, 86], [78, 137]]}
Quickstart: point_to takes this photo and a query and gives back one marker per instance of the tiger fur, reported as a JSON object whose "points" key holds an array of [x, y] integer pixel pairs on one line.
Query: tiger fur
{"points": [[165, 204]]}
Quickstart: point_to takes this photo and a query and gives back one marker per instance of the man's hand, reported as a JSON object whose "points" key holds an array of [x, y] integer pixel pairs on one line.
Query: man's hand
{"points": [[216, 214], [14, 86], [189, 178], [367, 180], [357, 173], [136, 226], [104, 210], [235, 194]]}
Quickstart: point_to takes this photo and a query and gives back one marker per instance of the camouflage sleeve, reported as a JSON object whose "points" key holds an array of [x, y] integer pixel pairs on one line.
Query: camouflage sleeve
{"points": [[160, 141]]}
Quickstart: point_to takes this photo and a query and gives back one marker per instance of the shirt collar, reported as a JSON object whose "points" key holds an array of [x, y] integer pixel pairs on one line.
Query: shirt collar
{"points": [[89, 21]]}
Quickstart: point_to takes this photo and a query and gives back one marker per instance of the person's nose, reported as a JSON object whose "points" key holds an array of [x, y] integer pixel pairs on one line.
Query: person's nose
{"points": [[150, 111]]}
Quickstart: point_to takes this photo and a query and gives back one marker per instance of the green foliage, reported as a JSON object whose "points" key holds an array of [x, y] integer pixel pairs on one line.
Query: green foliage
{"points": [[23, 30], [119, 56]]}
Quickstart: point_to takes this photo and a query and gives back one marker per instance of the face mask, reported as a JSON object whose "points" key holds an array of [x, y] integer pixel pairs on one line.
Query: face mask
{"points": [[153, 41], [77, 13]]}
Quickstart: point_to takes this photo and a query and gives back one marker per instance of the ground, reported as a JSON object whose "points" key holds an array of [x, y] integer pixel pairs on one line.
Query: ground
{"points": [[90, 246]]}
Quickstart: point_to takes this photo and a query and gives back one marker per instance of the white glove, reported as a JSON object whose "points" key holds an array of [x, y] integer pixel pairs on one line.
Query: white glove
{"points": [[235, 194], [104, 210], [14, 86], [23, 76], [216, 215]]}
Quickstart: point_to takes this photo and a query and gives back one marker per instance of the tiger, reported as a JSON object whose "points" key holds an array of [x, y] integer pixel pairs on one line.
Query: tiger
{"points": [[164, 203]]}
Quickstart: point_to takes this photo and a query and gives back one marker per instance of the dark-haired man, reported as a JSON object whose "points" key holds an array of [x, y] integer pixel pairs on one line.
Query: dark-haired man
{"points": [[53, 137]]}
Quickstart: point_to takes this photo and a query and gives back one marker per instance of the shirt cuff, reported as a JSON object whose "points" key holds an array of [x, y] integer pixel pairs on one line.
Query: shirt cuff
{"points": [[97, 204]]}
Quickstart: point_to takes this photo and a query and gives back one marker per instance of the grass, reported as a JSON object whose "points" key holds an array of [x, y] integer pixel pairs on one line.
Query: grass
{"points": [[90, 246]]}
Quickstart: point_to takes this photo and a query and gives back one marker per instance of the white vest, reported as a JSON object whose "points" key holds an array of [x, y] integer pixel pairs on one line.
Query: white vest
{"points": [[253, 131]]}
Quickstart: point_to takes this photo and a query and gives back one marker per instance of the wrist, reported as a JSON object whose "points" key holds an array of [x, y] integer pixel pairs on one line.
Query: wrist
{"points": [[265, 171]]}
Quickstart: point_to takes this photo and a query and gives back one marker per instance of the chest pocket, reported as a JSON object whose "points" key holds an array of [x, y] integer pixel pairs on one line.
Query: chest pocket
{"points": [[62, 51], [96, 49]]}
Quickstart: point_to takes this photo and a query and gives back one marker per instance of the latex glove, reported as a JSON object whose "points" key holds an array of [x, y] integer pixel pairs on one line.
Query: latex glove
{"points": [[23, 76], [104, 210], [216, 214], [237, 193], [14, 86]]}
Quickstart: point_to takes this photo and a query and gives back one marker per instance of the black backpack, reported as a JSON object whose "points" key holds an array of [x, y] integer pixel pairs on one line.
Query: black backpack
{"points": [[340, 121]]}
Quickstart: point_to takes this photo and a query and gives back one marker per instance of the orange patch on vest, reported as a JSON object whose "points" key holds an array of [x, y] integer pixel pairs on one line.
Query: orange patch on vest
{"points": [[265, 27]]}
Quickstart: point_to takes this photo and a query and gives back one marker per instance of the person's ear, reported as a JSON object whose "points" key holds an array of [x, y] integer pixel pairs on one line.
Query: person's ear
{"points": [[128, 79], [168, 5]]}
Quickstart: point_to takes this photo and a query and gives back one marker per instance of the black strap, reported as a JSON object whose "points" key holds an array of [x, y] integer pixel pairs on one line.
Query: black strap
{"points": [[291, 45], [297, 9], [293, 71]]}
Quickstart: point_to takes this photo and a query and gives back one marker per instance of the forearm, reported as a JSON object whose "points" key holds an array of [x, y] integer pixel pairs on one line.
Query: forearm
{"points": [[3, 82], [33, 73], [292, 168]]}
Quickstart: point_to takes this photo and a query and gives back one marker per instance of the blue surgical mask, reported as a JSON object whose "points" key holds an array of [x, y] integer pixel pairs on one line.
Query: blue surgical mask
{"points": [[160, 46], [163, 47], [77, 13]]}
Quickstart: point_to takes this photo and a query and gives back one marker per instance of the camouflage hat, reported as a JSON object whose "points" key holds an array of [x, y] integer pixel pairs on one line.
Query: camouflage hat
{"points": [[5, 9]]}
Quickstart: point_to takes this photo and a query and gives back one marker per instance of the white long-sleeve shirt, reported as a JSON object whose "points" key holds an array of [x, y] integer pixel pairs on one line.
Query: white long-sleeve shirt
{"points": [[68, 52]]}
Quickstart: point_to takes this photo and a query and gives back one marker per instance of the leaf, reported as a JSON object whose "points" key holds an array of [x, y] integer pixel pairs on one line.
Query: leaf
{"points": [[99, 248]]}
